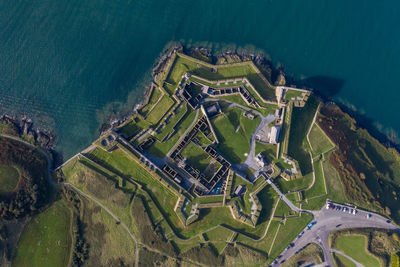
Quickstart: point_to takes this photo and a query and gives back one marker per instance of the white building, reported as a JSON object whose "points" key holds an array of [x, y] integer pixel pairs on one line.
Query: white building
{"points": [[274, 135]]}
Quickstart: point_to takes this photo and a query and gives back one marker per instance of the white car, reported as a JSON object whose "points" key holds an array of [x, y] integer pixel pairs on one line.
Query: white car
{"points": [[354, 211]]}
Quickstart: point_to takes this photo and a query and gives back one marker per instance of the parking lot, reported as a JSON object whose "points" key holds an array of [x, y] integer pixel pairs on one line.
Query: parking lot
{"points": [[332, 217]]}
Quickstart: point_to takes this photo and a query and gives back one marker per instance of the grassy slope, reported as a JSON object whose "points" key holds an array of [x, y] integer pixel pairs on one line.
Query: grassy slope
{"points": [[341, 261], [371, 173], [355, 246], [301, 121], [109, 242], [319, 141], [288, 231], [312, 252], [46, 240], [9, 177]]}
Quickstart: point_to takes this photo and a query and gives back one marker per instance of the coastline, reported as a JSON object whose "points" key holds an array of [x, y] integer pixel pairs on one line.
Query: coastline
{"points": [[46, 138]]}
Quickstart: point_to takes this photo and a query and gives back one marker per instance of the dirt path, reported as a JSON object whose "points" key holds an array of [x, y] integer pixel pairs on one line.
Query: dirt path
{"points": [[115, 218]]}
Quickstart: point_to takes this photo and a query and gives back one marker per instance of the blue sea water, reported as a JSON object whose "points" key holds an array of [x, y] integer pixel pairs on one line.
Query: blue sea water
{"points": [[69, 64]]}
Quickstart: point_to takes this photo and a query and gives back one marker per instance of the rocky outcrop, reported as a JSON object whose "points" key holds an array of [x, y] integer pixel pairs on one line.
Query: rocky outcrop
{"points": [[23, 127]]}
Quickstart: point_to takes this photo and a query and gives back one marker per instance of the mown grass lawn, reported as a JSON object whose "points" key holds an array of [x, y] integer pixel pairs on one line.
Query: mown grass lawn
{"points": [[185, 64], [318, 189], [287, 232], [319, 141], [155, 95], [182, 110], [301, 121], [46, 239], [234, 133], [160, 149], [196, 156], [9, 177], [219, 234], [355, 246], [160, 109], [293, 94]]}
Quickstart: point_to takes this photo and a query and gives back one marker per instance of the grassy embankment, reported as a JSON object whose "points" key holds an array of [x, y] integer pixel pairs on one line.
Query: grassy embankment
{"points": [[312, 253], [327, 182], [46, 239], [342, 261]]}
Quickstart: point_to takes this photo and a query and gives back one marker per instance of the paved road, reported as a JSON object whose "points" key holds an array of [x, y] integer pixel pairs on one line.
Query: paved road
{"points": [[284, 198], [348, 257], [330, 220], [250, 158]]}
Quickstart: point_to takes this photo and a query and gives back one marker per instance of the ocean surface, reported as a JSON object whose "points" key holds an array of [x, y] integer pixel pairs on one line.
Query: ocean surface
{"points": [[71, 64]]}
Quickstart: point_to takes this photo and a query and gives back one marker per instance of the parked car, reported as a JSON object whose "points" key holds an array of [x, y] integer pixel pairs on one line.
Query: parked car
{"points": [[355, 211], [369, 215], [351, 211]]}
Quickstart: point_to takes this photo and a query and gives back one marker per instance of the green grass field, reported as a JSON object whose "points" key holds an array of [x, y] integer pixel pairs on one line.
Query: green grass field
{"points": [[301, 121], [285, 131], [318, 188], [172, 122], [333, 183], [109, 243], [218, 234], [46, 239], [160, 109], [293, 94], [355, 246], [154, 97], [320, 143], [288, 231], [9, 177], [196, 156], [186, 64], [268, 150], [133, 127], [296, 184], [234, 133], [124, 164], [341, 261], [160, 149]]}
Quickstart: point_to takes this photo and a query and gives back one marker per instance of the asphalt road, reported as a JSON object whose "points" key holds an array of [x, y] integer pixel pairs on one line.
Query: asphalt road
{"points": [[328, 221]]}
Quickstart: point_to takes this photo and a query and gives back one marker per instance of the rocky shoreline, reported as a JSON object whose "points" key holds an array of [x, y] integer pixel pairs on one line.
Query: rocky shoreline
{"points": [[23, 128], [277, 76]]}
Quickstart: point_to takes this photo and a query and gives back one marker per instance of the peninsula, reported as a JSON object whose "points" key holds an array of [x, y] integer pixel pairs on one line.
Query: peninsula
{"points": [[221, 166]]}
